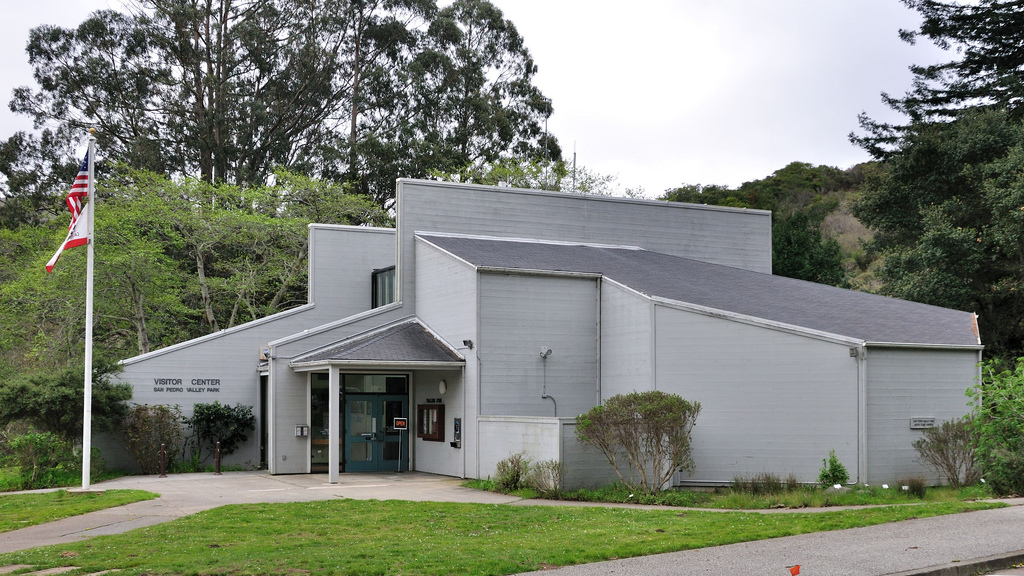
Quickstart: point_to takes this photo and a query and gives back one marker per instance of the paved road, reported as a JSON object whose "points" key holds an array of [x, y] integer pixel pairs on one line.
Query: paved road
{"points": [[943, 546]]}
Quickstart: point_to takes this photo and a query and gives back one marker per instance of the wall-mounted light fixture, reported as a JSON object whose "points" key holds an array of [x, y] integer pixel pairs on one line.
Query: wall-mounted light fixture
{"points": [[545, 352], [468, 344], [442, 387]]}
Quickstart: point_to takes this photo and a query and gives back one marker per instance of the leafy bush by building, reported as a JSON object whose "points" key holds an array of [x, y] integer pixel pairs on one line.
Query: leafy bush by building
{"points": [[999, 427], [832, 471], [949, 448], [146, 428], [216, 422], [644, 435], [513, 473]]}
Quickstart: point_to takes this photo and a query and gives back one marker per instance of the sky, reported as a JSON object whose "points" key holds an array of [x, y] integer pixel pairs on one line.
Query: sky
{"points": [[661, 93]]}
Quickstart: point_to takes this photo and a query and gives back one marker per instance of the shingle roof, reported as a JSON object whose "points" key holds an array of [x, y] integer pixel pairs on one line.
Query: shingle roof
{"points": [[408, 342], [859, 315]]}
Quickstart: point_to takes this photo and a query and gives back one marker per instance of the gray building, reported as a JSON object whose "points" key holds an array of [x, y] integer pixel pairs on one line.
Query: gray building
{"points": [[441, 323]]}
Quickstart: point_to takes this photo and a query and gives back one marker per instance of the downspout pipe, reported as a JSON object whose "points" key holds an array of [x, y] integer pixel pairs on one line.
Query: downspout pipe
{"points": [[544, 353]]}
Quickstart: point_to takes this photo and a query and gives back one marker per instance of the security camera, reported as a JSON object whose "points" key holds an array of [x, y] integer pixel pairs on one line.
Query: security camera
{"points": [[545, 352]]}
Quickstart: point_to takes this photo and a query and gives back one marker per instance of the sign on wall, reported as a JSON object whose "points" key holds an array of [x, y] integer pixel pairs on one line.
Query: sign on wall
{"points": [[185, 386]]}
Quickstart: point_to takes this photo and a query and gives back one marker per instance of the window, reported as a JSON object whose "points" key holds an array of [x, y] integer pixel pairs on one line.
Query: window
{"points": [[430, 422], [382, 287]]}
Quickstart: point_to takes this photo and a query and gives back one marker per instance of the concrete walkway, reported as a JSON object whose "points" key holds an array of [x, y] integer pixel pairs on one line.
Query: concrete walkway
{"points": [[948, 545]]}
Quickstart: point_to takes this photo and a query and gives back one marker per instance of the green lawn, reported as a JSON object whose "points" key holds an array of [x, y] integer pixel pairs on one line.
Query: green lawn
{"points": [[23, 510], [367, 538]]}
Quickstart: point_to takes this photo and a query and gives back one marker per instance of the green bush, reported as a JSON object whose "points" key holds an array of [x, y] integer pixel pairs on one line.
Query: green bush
{"points": [[832, 471], [513, 473], [212, 423], [146, 428], [46, 460], [999, 426]]}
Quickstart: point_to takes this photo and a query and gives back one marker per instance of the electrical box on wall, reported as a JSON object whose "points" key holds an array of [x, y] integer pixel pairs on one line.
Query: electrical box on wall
{"points": [[301, 431]]}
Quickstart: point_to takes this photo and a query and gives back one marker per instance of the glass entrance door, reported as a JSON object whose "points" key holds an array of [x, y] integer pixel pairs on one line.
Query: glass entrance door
{"points": [[371, 442]]}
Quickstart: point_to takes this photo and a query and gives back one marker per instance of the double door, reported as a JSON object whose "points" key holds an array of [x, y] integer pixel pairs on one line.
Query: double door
{"points": [[371, 443]]}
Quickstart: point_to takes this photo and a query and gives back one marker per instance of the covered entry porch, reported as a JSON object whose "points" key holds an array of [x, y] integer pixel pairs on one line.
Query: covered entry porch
{"points": [[361, 391]]}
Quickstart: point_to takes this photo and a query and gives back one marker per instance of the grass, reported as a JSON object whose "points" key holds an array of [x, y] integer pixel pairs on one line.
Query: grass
{"points": [[729, 499], [365, 538], [24, 510], [11, 479]]}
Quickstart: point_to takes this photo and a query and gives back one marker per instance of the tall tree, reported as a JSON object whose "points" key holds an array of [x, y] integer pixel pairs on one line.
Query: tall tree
{"points": [[988, 37], [948, 214], [358, 91]]}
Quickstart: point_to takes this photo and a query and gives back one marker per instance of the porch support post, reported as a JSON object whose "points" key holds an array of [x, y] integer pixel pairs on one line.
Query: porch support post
{"points": [[333, 407]]}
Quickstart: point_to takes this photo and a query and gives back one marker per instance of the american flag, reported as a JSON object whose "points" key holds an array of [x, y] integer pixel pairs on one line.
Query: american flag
{"points": [[78, 203]]}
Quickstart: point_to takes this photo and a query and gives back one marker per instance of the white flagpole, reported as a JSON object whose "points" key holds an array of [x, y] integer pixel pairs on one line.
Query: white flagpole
{"points": [[87, 420]]}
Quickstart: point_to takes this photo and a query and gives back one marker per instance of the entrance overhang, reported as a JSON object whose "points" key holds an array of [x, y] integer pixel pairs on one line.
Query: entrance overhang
{"points": [[403, 345]]}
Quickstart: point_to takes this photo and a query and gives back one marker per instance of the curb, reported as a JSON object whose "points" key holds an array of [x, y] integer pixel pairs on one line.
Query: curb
{"points": [[970, 567]]}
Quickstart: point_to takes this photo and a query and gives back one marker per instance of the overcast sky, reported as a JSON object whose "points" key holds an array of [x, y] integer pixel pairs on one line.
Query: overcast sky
{"points": [[666, 92]]}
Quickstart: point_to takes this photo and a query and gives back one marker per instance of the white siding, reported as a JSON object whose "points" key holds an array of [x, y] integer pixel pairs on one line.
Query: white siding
{"points": [[440, 457], [446, 302], [904, 383], [537, 437], [627, 352], [771, 401], [342, 258], [521, 314], [740, 238]]}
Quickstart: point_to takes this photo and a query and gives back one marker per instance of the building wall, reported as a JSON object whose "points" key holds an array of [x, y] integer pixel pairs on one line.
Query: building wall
{"points": [[627, 336], [342, 258], [429, 455], [729, 236], [771, 401], [584, 467], [904, 383], [538, 438], [446, 301], [522, 314]]}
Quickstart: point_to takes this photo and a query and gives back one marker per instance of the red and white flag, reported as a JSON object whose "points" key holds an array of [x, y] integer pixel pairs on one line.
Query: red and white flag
{"points": [[78, 204]]}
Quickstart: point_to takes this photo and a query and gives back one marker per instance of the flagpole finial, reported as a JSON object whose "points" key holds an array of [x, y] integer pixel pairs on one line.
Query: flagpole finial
{"points": [[92, 131]]}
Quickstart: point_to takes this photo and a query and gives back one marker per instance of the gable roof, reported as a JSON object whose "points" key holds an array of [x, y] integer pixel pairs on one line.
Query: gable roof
{"points": [[867, 317], [406, 343]]}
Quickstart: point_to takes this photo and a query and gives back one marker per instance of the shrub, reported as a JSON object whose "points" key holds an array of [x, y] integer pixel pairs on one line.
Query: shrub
{"points": [[759, 484], [54, 401], [949, 449], [513, 473], [832, 471], [643, 433], [998, 419], [212, 423], [39, 454], [146, 428], [546, 476], [916, 486]]}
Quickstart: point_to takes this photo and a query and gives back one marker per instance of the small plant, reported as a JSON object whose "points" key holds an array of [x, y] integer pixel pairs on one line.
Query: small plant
{"points": [[513, 473], [915, 486], [832, 471], [546, 477], [949, 448]]}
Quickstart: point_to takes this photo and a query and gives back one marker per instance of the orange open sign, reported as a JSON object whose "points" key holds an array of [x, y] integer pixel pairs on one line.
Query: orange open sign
{"points": [[401, 424]]}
